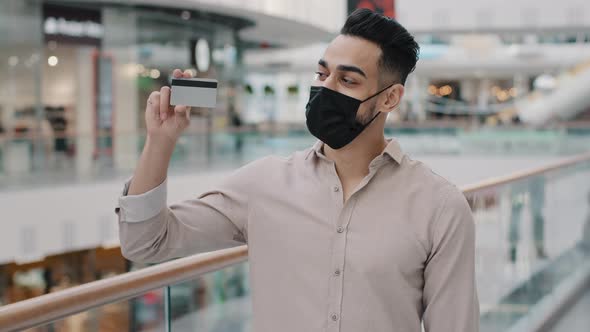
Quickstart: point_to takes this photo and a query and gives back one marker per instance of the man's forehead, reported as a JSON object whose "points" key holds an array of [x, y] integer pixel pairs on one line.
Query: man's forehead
{"points": [[348, 50]]}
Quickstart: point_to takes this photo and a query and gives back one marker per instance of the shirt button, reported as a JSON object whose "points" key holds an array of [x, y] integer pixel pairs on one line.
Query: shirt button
{"points": [[334, 317], [337, 272], [336, 189], [340, 229]]}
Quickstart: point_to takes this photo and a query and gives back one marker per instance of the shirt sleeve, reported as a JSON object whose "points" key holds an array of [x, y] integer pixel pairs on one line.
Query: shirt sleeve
{"points": [[141, 207], [450, 294], [152, 232]]}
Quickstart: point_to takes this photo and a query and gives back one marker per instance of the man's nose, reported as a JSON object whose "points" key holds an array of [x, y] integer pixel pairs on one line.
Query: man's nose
{"points": [[330, 82]]}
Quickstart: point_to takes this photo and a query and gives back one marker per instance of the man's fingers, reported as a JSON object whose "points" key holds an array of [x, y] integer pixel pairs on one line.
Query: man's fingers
{"points": [[182, 115], [182, 110], [164, 102], [179, 109], [187, 73], [153, 104], [165, 109], [177, 73]]}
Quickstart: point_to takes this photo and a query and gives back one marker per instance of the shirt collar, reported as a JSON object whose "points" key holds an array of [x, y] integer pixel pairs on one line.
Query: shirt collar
{"points": [[316, 150], [393, 149]]}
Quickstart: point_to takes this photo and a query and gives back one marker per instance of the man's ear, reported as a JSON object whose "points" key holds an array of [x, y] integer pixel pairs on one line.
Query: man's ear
{"points": [[393, 98]]}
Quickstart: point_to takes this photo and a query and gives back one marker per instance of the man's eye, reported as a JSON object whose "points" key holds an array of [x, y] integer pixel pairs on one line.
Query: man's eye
{"points": [[347, 80], [319, 75]]}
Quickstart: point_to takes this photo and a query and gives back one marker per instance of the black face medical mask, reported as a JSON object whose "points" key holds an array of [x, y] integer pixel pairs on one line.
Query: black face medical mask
{"points": [[331, 116]]}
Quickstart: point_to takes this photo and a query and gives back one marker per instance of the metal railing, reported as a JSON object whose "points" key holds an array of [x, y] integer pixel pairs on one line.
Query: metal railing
{"points": [[50, 307]]}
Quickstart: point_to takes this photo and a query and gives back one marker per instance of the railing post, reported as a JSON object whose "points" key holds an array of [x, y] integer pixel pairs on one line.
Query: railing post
{"points": [[167, 309]]}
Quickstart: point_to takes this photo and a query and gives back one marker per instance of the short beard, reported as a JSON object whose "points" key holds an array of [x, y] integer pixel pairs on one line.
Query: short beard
{"points": [[368, 116]]}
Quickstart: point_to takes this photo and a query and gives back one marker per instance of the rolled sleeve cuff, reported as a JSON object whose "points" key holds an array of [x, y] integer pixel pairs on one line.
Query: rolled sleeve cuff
{"points": [[136, 208]]}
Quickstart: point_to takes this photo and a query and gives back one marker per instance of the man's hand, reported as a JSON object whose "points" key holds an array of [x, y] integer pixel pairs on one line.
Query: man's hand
{"points": [[166, 123]]}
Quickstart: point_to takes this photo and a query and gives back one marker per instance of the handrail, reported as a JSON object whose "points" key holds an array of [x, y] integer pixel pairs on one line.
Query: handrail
{"points": [[521, 175], [50, 307]]}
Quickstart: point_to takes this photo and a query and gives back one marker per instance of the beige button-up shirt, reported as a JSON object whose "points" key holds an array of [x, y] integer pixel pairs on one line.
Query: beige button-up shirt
{"points": [[400, 251]]}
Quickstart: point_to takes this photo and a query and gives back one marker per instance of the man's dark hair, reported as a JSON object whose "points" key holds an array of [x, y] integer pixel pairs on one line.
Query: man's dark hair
{"points": [[398, 47]]}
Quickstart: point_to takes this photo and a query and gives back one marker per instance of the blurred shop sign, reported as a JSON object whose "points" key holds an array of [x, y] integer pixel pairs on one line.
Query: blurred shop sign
{"points": [[385, 7], [200, 54], [481, 45], [72, 25]]}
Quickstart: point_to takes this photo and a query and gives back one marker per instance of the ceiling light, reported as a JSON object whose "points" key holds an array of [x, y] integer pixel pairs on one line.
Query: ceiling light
{"points": [[53, 61]]}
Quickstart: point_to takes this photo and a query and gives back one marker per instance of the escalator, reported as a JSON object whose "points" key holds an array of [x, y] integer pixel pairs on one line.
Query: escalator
{"points": [[570, 97]]}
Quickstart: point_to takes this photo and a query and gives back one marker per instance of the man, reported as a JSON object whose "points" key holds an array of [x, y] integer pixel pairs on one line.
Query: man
{"points": [[536, 194], [350, 235]]}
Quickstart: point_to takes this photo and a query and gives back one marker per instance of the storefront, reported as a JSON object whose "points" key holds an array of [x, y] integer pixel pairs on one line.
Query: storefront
{"points": [[75, 76]]}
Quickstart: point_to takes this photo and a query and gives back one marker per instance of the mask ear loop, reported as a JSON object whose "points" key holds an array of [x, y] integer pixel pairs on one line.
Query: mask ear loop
{"points": [[378, 92], [375, 117], [378, 113]]}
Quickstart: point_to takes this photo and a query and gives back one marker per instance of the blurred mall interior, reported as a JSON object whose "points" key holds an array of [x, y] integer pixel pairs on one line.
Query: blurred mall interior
{"points": [[499, 104]]}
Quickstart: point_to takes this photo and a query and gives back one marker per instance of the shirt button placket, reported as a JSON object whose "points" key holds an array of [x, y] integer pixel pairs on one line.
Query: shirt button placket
{"points": [[337, 282], [334, 313], [337, 195]]}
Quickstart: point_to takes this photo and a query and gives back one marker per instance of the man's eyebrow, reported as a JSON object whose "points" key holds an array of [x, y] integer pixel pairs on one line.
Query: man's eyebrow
{"points": [[350, 68], [354, 69]]}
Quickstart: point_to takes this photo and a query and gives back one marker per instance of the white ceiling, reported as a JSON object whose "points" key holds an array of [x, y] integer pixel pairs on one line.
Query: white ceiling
{"points": [[267, 28]]}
